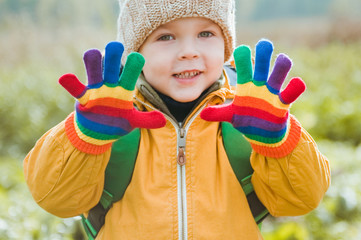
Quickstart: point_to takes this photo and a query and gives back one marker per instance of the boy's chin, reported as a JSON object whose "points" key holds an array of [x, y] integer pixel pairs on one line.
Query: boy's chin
{"points": [[185, 99], [188, 96]]}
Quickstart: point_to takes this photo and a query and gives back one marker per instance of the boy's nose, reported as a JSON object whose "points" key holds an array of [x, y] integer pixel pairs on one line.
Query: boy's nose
{"points": [[188, 51]]}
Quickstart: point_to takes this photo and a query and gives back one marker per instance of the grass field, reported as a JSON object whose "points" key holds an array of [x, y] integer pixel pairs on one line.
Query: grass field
{"points": [[31, 102]]}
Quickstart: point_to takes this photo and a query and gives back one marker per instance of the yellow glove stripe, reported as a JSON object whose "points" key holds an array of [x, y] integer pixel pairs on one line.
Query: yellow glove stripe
{"points": [[261, 92], [106, 92]]}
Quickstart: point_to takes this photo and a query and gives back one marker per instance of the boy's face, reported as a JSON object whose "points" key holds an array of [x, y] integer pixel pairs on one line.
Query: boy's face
{"points": [[184, 57]]}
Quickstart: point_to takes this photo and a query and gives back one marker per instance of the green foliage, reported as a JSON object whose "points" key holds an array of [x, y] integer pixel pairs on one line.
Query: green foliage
{"points": [[288, 231], [329, 109], [31, 102], [31, 99], [21, 218], [25, 113]]}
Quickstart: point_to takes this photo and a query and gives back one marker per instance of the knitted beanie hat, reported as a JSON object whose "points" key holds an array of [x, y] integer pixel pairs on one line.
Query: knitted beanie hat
{"points": [[139, 18]]}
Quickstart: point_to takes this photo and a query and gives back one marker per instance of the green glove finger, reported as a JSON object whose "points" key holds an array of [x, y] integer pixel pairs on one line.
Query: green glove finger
{"points": [[131, 71], [243, 61]]}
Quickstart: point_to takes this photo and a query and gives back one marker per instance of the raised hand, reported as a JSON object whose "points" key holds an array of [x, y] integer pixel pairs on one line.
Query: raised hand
{"points": [[104, 108], [260, 110]]}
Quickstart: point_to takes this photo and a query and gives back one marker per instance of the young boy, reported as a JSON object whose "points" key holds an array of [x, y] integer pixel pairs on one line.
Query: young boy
{"points": [[182, 186]]}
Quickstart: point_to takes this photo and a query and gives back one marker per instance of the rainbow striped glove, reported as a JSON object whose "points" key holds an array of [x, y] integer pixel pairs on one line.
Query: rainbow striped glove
{"points": [[104, 109], [260, 110]]}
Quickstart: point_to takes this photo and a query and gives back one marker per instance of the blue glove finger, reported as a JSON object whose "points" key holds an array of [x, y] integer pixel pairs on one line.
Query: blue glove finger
{"points": [[113, 56], [282, 66], [264, 49], [93, 65]]}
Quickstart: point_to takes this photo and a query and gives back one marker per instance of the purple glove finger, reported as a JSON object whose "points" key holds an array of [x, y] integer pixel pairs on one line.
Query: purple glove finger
{"points": [[282, 66], [93, 64]]}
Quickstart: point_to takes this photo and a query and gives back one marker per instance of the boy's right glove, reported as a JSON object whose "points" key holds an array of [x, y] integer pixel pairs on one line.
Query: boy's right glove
{"points": [[260, 110], [104, 109]]}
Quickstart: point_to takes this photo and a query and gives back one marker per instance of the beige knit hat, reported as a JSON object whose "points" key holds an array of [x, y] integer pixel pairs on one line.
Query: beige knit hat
{"points": [[139, 18]]}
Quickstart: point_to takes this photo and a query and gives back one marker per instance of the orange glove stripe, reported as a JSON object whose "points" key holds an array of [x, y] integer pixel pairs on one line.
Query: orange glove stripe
{"points": [[248, 101], [80, 144]]}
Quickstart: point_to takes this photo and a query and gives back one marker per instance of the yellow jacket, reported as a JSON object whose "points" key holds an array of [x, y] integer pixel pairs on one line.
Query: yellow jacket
{"points": [[201, 199]]}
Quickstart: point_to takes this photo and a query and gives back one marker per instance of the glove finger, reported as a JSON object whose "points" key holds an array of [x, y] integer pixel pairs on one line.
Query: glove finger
{"points": [[72, 84], [282, 66], [264, 49], [222, 113], [113, 56], [149, 120], [93, 64], [131, 71], [293, 90], [242, 59]]}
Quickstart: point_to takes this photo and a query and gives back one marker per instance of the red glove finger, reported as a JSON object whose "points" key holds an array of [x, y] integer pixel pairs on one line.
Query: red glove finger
{"points": [[72, 84], [222, 113], [293, 90], [153, 119]]}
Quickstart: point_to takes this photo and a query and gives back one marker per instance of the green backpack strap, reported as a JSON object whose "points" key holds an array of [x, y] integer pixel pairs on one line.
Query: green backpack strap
{"points": [[118, 174], [239, 151]]}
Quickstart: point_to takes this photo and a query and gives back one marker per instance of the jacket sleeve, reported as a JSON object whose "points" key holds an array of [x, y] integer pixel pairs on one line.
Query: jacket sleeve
{"points": [[293, 185], [61, 179]]}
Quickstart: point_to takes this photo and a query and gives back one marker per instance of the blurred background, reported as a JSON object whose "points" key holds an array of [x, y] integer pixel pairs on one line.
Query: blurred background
{"points": [[42, 39]]}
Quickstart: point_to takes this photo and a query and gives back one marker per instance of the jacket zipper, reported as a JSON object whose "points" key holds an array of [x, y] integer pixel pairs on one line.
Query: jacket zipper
{"points": [[181, 179], [181, 132], [181, 171]]}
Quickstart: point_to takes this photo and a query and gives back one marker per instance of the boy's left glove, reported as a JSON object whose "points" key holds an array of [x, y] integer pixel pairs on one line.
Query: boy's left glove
{"points": [[260, 110]]}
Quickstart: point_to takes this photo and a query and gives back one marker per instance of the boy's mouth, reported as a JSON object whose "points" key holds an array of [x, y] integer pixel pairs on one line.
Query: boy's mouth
{"points": [[187, 74]]}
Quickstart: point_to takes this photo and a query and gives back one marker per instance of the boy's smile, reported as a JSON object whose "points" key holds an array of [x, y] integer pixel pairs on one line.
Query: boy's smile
{"points": [[184, 57], [187, 74], [188, 77]]}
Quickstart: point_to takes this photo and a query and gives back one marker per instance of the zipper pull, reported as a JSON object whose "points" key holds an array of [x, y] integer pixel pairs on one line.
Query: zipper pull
{"points": [[181, 160], [181, 156]]}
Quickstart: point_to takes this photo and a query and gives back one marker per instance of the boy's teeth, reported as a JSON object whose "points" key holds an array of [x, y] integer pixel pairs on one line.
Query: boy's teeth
{"points": [[187, 74]]}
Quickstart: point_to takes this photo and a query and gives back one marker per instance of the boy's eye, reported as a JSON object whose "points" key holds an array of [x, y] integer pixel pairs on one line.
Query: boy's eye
{"points": [[205, 34], [166, 38]]}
